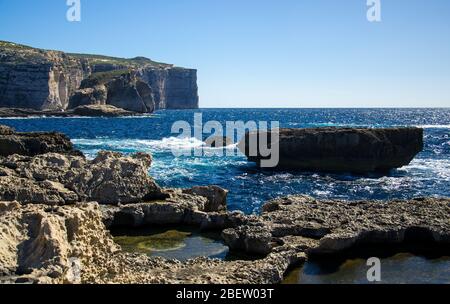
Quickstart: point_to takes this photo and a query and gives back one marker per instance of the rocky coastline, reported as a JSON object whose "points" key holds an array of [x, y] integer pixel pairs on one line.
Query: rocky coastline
{"points": [[57, 209], [81, 111], [46, 82]]}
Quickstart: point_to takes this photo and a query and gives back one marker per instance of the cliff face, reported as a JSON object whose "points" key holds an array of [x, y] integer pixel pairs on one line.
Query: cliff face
{"points": [[173, 88], [51, 80]]}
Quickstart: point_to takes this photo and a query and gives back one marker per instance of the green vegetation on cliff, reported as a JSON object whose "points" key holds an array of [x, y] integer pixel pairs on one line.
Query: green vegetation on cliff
{"points": [[16, 53]]}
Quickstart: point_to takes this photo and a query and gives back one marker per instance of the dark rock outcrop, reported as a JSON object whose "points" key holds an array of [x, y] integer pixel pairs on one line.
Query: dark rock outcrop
{"points": [[342, 149], [43, 80], [31, 144]]}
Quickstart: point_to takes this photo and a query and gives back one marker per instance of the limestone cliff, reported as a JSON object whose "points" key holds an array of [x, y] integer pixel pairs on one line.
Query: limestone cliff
{"points": [[51, 80]]}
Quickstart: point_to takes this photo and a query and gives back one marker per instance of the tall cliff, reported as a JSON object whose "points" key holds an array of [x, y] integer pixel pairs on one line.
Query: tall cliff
{"points": [[52, 80]]}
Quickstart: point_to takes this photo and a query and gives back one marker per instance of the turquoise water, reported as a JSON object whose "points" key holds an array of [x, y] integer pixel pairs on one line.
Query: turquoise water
{"points": [[250, 187]]}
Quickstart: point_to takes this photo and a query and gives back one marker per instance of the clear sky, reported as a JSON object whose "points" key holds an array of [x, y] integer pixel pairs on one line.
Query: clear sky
{"points": [[261, 53]]}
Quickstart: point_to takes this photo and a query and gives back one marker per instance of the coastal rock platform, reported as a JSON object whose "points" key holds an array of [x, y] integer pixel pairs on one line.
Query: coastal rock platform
{"points": [[340, 149], [57, 210]]}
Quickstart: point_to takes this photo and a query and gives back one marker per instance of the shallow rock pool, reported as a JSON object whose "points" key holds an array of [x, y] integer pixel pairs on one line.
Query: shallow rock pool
{"points": [[400, 268], [178, 243]]}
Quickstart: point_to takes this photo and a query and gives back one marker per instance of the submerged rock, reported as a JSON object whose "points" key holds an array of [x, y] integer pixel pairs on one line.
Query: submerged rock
{"points": [[342, 149]]}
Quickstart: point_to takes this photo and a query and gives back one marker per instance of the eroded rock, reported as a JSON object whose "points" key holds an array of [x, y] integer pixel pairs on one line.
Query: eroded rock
{"points": [[340, 149], [52, 245], [58, 179], [34, 143], [340, 225]]}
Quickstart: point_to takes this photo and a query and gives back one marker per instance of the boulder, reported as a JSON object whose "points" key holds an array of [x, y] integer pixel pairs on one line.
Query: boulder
{"points": [[57, 179], [217, 197], [89, 96], [5, 130], [341, 149], [31, 144], [254, 239]]}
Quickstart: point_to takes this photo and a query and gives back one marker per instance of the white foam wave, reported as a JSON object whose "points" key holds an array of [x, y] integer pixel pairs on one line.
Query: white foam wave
{"points": [[434, 126], [165, 144]]}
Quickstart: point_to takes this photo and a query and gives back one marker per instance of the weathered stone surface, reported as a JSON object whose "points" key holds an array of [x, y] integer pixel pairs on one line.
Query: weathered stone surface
{"points": [[173, 88], [254, 239], [89, 96], [70, 245], [217, 197], [37, 79], [5, 130], [31, 144], [124, 92], [57, 179], [341, 225], [39, 244], [178, 207], [343, 149]]}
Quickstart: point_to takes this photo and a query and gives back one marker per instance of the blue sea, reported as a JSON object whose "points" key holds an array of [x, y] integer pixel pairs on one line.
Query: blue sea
{"points": [[249, 186]]}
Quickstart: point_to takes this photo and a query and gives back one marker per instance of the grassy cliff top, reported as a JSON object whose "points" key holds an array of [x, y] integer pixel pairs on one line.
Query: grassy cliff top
{"points": [[129, 62], [24, 53]]}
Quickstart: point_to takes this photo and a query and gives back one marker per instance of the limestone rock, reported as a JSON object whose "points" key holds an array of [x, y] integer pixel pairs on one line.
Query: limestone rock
{"points": [[217, 197], [89, 96], [250, 239], [57, 179], [5, 130], [341, 225], [50, 81], [342, 149], [52, 245], [125, 92]]}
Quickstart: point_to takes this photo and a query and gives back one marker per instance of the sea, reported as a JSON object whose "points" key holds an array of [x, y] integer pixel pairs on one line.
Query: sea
{"points": [[249, 187]]}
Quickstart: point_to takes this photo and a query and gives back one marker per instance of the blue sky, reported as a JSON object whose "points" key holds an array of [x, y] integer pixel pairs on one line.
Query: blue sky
{"points": [[261, 53]]}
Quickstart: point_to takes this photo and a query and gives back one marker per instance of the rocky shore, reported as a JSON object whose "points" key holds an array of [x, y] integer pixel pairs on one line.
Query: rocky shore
{"points": [[57, 208], [80, 111]]}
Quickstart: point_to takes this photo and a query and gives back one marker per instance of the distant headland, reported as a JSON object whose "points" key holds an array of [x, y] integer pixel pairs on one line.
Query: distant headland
{"points": [[53, 81]]}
